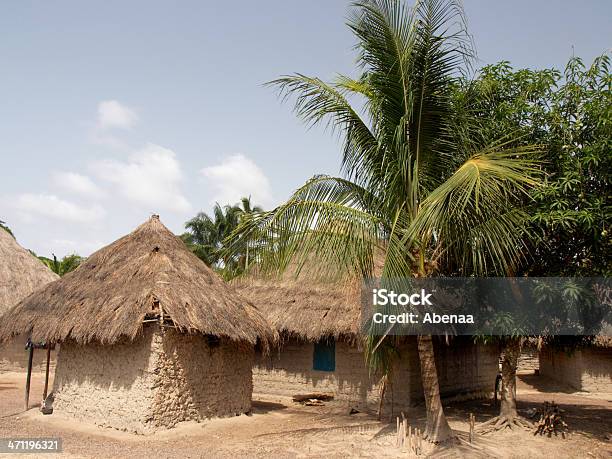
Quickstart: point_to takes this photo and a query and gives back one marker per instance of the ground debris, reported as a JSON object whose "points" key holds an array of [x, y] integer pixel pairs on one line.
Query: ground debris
{"points": [[312, 399], [551, 421]]}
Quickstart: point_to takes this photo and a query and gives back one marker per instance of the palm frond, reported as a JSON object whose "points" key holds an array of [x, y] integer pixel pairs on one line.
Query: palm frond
{"points": [[474, 213], [329, 219]]}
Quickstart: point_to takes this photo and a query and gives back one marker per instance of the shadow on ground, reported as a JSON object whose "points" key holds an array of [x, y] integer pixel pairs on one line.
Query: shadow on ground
{"points": [[262, 407]]}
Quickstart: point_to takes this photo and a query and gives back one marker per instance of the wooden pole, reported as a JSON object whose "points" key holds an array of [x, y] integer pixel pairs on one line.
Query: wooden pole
{"points": [[409, 438], [472, 422], [29, 376], [397, 440], [47, 372], [420, 441]]}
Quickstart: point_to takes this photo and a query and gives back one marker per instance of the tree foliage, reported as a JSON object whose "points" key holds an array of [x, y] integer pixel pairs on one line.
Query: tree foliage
{"points": [[63, 266], [206, 234], [570, 114]]}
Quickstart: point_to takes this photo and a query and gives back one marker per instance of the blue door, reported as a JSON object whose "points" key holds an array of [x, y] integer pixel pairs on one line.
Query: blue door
{"points": [[324, 356]]}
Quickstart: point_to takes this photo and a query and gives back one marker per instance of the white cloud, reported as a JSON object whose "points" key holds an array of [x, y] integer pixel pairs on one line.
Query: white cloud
{"points": [[151, 177], [112, 114], [237, 176], [78, 184], [49, 205]]}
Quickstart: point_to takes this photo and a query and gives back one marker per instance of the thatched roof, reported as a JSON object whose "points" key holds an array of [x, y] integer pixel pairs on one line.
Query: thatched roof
{"points": [[308, 304], [147, 275], [305, 308], [20, 272]]}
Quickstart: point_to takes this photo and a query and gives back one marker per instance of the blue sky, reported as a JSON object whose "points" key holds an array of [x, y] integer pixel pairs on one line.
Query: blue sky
{"points": [[114, 110]]}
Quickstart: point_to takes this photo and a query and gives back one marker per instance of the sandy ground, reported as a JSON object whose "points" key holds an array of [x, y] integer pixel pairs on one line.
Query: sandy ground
{"points": [[281, 428]]}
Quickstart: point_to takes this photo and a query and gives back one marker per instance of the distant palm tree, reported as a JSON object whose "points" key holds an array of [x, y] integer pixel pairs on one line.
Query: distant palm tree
{"points": [[206, 235], [65, 265], [431, 205]]}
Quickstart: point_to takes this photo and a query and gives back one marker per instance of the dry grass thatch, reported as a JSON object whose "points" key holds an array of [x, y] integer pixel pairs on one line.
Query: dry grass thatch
{"points": [[147, 275], [308, 305], [310, 310], [21, 273]]}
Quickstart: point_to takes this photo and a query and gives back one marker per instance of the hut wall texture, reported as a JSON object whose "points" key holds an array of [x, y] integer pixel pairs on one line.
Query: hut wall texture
{"points": [[14, 357], [528, 361], [290, 371], [197, 381], [153, 382], [465, 371], [588, 369]]}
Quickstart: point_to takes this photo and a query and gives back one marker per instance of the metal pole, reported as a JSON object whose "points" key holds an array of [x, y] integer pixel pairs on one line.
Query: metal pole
{"points": [[29, 377]]}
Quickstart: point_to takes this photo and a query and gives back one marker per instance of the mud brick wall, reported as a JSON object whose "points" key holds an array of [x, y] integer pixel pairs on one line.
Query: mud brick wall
{"points": [[464, 369], [528, 361], [290, 371], [587, 369], [198, 381], [154, 382], [111, 386], [14, 357]]}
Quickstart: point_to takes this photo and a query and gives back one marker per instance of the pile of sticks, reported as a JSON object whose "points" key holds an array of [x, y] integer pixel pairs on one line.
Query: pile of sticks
{"points": [[551, 421], [407, 436]]}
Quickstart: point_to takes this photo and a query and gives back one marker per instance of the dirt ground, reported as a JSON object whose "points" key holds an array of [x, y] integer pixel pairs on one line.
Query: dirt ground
{"points": [[281, 428]]}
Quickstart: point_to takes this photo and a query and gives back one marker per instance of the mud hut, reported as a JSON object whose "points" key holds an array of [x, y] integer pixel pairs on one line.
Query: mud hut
{"points": [[321, 348], [150, 336], [21, 273], [586, 368]]}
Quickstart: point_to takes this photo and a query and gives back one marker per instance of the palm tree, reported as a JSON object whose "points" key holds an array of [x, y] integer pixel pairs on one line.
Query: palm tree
{"points": [[206, 234], [65, 265], [431, 205]]}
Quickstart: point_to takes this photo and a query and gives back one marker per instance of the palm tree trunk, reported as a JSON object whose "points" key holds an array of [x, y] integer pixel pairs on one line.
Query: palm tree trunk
{"points": [[437, 429]]}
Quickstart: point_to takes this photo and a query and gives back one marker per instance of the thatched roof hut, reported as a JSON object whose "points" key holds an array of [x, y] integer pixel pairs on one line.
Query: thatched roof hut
{"points": [[146, 275], [20, 272], [322, 350], [150, 336]]}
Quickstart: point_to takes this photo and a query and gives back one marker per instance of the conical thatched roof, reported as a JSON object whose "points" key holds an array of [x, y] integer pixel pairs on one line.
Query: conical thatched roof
{"points": [[20, 272], [147, 275]]}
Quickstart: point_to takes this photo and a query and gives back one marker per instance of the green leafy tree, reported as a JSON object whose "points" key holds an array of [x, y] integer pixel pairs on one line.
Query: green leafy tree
{"points": [[503, 102], [432, 204], [570, 114], [573, 212]]}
